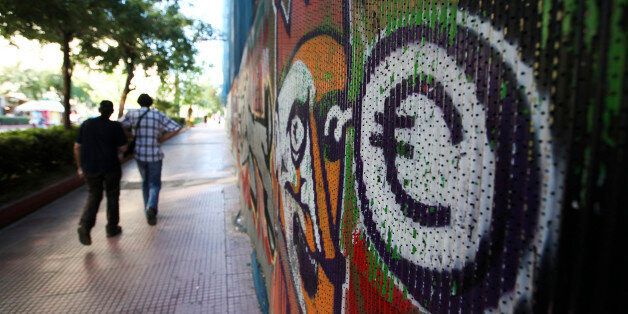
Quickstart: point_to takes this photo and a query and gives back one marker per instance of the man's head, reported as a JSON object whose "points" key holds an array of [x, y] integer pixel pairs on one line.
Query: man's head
{"points": [[144, 100], [105, 108]]}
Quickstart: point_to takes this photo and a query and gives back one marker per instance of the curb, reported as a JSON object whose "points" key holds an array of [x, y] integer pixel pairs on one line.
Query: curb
{"points": [[15, 210], [30, 203]]}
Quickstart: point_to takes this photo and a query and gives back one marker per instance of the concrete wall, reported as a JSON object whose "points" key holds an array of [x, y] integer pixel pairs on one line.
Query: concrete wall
{"points": [[400, 156]]}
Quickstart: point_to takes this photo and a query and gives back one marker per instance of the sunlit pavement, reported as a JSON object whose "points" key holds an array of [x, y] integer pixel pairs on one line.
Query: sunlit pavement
{"points": [[194, 260]]}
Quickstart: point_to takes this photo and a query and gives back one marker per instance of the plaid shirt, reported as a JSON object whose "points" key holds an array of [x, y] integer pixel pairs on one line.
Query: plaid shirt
{"points": [[153, 125]]}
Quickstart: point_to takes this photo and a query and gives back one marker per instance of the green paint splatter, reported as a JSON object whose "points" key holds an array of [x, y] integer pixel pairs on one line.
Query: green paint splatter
{"points": [[395, 253], [503, 91], [569, 9], [328, 76], [433, 16], [426, 172], [404, 149], [615, 69], [357, 66], [416, 70], [384, 282], [591, 21], [453, 25], [351, 198], [389, 241], [492, 144], [547, 8], [430, 78]]}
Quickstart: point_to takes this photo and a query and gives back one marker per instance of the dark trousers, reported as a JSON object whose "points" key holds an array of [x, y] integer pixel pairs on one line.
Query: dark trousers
{"points": [[96, 183]]}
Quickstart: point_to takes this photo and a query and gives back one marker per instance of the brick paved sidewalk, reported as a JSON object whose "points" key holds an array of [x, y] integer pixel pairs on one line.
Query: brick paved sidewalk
{"points": [[193, 261]]}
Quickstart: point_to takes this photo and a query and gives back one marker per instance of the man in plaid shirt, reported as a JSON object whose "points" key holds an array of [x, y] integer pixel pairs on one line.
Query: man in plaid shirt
{"points": [[154, 128]]}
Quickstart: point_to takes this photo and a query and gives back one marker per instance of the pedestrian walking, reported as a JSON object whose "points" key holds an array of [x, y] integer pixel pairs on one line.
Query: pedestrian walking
{"points": [[150, 128], [98, 152]]}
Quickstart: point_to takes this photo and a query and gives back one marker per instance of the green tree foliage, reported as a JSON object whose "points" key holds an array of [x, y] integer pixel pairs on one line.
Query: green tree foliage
{"points": [[142, 33], [36, 84], [188, 89], [200, 94], [56, 21], [148, 33], [167, 107]]}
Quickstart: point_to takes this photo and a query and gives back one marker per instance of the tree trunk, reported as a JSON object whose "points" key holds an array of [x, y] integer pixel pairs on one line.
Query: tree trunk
{"points": [[67, 79], [177, 93], [190, 122], [130, 69]]}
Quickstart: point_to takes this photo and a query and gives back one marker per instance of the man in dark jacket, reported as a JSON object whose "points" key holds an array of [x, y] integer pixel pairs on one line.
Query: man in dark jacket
{"points": [[98, 151]]}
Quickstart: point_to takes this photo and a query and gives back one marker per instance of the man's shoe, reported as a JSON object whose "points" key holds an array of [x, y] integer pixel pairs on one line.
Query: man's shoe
{"points": [[84, 236], [151, 216], [113, 231]]}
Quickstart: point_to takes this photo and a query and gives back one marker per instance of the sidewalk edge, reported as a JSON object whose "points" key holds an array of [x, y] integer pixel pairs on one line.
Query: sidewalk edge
{"points": [[15, 210]]}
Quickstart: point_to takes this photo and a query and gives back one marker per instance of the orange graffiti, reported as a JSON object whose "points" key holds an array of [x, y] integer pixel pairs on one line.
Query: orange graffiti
{"points": [[327, 69]]}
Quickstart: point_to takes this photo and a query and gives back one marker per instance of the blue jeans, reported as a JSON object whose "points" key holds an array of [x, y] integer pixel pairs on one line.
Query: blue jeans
{"points": [[151, 182]]}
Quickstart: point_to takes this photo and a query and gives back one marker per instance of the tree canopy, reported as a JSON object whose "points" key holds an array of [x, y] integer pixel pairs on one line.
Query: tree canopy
{"points": [[56, 21], [150, 34], [144, 34], [36, 84]]}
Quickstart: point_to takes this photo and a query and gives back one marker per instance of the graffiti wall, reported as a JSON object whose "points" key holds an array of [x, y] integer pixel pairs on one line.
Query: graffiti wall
{"points": [[430, 156]]}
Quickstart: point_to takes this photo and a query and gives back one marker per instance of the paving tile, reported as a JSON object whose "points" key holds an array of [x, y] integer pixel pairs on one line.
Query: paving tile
{"points": [[243, 304], [240, 284], [238, 264], [193, 261]]}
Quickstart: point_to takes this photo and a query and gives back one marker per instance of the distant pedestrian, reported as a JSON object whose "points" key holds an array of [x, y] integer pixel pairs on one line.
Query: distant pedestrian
{"points": [[150, 128], [98, 151]]}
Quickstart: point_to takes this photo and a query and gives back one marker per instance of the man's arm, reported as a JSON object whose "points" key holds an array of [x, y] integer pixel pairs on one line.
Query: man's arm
{"points": [[172, 128], [127, 132], [121, 150], [169, 135], [77, 158], [121, 141]]}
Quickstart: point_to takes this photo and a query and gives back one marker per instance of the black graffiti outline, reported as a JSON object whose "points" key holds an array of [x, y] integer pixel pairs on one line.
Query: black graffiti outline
{"points": [[333, 268], [479, 283], [425, 215]]}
